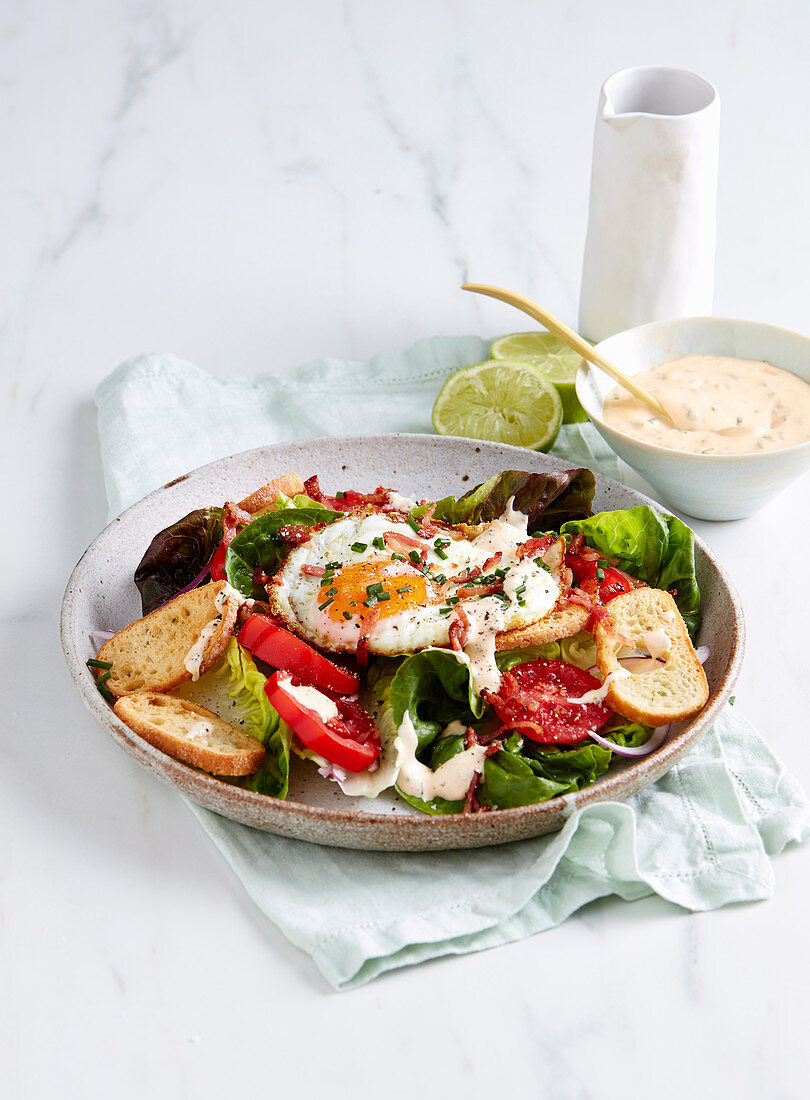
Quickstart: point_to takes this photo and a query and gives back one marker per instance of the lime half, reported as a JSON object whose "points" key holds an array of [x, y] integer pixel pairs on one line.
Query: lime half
{"points": [[507, 402], [555, 359]]}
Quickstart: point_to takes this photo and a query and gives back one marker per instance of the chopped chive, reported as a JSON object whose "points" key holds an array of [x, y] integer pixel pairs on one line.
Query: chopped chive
{"points": [[445, 610], [452, 600], [600, 574], [333, 565], [404, 591], [339, 494], [104, 677], [398, 557], [379, 542], [415, 557], [439, 578], [414, 526], [375, 589], [347, 614], [603, 563], [323, 606], [440, 543], [93, 663], [106, 693], [502, 597], [440, 553], [359, 547]]}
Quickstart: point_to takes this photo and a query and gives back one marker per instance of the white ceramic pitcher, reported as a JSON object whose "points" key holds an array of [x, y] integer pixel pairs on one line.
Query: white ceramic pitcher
{"points": [[649, 253]]}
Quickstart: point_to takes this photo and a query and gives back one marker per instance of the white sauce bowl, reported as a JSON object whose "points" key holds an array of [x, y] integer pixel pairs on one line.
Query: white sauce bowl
{"points": [[705, 486]]}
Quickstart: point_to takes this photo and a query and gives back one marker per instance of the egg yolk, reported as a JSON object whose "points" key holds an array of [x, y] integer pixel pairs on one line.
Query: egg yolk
{"points": [[355, 589]]}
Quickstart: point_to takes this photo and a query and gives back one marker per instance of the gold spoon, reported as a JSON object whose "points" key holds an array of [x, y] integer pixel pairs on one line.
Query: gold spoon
{"points": [[568, 336]]}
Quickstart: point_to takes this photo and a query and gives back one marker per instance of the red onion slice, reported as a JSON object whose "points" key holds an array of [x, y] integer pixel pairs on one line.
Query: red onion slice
{"points": [[653, 742], [703, 653], [99, 637]]}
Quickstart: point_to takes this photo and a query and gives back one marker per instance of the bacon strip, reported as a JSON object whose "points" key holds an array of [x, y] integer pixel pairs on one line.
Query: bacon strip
{"points": [[313, 570], [295, 534], [533, 547], [479, 589], [459, 630]]}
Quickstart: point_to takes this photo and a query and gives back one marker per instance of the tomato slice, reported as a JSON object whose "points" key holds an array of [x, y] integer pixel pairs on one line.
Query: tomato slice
{"points": [[615, 583], [533, 699], [276, 646], [218, 562], [349, 739]]}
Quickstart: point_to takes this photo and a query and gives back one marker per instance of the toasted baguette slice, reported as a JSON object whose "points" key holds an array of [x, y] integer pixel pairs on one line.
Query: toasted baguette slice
{"points": [[677, 689], [259, 501], [559, 624], [190, 733], [150, 654]]}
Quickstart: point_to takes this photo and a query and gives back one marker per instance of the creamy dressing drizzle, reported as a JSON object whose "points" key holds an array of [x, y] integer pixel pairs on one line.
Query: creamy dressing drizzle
{"points": [[193, 659], [657, 643], [598, 694], [311, 698], [400, 503], [718, 405], [192, 662], [451, 779]]}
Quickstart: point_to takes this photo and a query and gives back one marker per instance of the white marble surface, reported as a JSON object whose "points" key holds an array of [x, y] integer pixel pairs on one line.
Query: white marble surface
{"points": [[252, 185]]}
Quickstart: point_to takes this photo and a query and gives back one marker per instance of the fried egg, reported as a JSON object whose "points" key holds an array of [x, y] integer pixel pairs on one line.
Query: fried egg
{"points": [[374, 579]]}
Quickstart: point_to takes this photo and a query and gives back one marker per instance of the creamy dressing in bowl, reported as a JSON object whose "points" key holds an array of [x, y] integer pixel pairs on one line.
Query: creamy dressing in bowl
{"points": [[718, 405]]}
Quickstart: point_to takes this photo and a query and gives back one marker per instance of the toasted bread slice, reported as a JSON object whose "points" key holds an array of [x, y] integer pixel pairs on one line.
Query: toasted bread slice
{"points": [[260, 500], [190, 733], [559, 624], [677, 689], [150, 654]]}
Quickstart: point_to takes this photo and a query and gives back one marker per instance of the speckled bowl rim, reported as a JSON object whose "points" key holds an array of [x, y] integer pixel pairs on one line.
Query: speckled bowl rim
{"points": [[386, 831]]}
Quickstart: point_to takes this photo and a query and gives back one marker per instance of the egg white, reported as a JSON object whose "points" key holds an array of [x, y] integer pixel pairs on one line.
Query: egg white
{"points": [[296, 597]]}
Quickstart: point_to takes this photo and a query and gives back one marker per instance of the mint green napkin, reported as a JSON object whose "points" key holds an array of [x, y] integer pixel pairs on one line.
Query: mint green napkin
{"points": [[701, 837]]}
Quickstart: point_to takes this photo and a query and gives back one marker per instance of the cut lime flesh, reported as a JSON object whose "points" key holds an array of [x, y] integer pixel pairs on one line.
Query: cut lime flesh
{"points": [[555, 359], [502, 401]]}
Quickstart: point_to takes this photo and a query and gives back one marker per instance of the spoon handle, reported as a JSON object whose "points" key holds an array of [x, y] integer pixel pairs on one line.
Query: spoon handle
{"points": [[568, 336]]}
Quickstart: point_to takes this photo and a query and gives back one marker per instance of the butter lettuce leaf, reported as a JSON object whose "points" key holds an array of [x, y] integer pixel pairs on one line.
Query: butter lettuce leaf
{"points": [[435, 687], [259, 547], [653, 546], [245, 685]]}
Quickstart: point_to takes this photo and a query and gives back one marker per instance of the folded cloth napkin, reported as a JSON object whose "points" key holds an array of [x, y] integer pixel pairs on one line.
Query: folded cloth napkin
{"points": [[700, 837]]}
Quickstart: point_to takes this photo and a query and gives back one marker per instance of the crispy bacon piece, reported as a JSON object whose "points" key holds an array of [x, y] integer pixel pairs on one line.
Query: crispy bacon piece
{"points": [[479, 589], [233, 517], [459, 630], [350, 500], [493, 562], [395, 540], [313, 570], [467, 575], [295, 534], [366, 627], [534, 547]]}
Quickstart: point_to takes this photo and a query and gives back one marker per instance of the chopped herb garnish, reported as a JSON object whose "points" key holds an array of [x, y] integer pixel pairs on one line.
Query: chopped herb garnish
{"points": [[440, 553], [445, 610], [398, 557], [502, 597], [414, 526], [104, 677], [452, 600], [375, 589], [379, 542], [359, 547], [603, 563], [415, 557], [333, 565], [347, 614], [339, 494], [600, 574], [323, 606], [404, 591], [93, 663], [439, 578], [542, 564], [331, 591]]}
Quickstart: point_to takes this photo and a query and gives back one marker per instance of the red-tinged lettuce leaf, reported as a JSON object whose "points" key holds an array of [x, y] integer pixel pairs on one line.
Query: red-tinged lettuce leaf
{"points": [[177, 556], [549, 500]]}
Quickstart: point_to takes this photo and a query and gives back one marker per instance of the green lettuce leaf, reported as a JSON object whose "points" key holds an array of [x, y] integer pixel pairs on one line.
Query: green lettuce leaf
{"points": [[245, 685], [556, 497], [657, 548], [434, 687], [260, 548]]}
